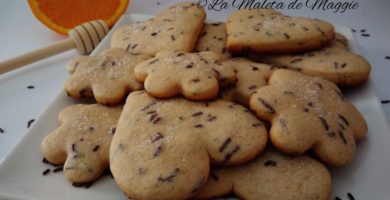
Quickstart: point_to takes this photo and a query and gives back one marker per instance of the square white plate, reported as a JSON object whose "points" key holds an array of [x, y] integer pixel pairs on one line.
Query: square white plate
{"points": [[368, 177]]}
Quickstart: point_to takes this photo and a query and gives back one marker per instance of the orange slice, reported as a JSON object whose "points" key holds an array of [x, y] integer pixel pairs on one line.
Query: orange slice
{"points": [[62, 15]]}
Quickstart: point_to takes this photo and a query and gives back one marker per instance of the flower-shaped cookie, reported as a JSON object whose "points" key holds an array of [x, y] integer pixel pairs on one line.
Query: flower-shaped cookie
{"points": [[107, 77], [82, 141], [162, 148], [268, 31], [174, 29], [309, 113], [197, 76]]}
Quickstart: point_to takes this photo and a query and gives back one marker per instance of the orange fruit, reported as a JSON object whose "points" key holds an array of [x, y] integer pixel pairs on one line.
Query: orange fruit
{"points": [[62, 15]]}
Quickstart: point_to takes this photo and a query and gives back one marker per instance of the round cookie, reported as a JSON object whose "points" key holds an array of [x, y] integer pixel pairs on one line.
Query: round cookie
{"points": [[82, 141], [196, 76], [175, 29], [107, 77], [267, 31], [250, 77], [162, 149], [272, 176], [309, 113], [333, 62]]}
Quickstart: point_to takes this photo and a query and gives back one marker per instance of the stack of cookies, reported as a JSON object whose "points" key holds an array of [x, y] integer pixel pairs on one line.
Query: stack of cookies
{"points": [[250, 107]]}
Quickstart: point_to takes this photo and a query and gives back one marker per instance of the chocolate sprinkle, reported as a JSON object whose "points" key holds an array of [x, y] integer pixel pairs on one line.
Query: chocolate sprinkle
{"points": [[157, 137], [225, 144], [350, 196], [269, 163], [257, 124], [296, 60], [197, 114], [366, 35], [173, 38], [170, 177], [157, 152], [189, 66], [74, 147], [112, 131], [153, 34], [341, 134], [337, 198], [387, 57], [288, 92], [96, 148], [44, 160], [153, 61], [2, 130], [195, 80], [46, 172], [58, 169], [286, 35], [385, 101], [324, 123], [211, 117], [343, 119], [231, 153], [198, 126], [30, 122], [85, 185], [30, 87], [267, 105]]}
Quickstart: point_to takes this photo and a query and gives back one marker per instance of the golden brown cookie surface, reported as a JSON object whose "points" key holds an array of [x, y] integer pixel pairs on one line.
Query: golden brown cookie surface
{"points": [[268, 31], [271, 176], [196, 76], [82, 141], [107, 77], [162, 149], [309, 113], [174, 29]]}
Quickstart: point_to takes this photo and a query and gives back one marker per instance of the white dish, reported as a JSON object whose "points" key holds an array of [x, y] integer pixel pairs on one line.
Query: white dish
{"points": [[368, 177]]}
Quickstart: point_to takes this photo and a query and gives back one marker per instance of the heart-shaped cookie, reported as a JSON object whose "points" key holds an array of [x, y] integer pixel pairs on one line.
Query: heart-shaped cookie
{"points": [[174, 29], [162, 149], [272, 176], [333, 62]]}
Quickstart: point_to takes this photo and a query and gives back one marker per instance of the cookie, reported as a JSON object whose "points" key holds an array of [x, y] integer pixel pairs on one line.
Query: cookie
{"points": [[82, 141], [174, 29], [309, 113], [333, 62], [196, 76], [250, 77], [267, 31], [162, 149], [213, 38], [272, 176], [107, 77]]}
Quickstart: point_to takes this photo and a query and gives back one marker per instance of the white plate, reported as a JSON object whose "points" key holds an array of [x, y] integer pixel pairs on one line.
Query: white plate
{"points": [[368, 177]]}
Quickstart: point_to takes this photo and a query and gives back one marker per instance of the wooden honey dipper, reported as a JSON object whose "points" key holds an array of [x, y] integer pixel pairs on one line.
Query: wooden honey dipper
{"points": [[84, 38]]}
